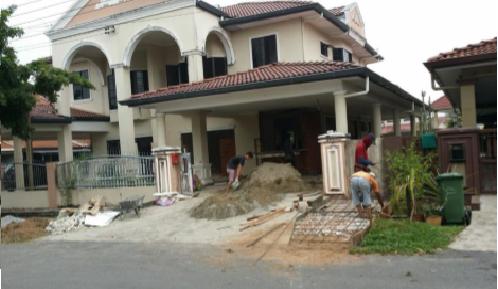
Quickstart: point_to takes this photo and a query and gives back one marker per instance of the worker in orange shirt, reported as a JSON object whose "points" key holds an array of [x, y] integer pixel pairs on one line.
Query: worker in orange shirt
{"points": [[362, 184]]}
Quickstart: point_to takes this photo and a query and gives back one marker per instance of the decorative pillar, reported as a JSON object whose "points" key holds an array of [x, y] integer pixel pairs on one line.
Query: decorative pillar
{"points": [[341, 113], [201, 167], [125, 113], [377, 120], [18, 160], [29, 160], [468, 105], [65, 143], [195, 70], [396, 123]]}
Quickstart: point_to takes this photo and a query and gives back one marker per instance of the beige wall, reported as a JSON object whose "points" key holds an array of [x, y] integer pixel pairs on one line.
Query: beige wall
{"points": [[114, 196], [22, 199], [98, 101]]}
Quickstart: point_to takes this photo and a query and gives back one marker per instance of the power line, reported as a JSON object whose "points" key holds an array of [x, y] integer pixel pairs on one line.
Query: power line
{"points": [[41, 8]]}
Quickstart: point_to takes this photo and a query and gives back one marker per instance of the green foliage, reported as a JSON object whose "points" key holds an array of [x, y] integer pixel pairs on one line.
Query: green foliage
{"points": [[402, 237], [410, 180], [19, 83]]}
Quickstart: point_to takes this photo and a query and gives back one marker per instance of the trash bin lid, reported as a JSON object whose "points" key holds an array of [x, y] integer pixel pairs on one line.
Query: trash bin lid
{"points": [[449, 176]]}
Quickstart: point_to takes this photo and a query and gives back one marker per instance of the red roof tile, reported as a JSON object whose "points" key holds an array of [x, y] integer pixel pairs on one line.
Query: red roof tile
{"points": [[260, 74], [337, 10], [45, 111], [442, 103], [483, 48], [80, 114], [255, 8]]}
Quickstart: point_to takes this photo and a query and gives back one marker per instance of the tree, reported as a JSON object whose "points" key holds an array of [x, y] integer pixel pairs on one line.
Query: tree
{"points": [[20, 83]]}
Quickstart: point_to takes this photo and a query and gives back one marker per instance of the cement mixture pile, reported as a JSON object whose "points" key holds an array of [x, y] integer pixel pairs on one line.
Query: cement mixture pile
{"points": [[266, 185]]}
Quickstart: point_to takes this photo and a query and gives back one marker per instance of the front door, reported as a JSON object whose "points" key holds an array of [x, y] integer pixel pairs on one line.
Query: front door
{"points": [[227, 151]]}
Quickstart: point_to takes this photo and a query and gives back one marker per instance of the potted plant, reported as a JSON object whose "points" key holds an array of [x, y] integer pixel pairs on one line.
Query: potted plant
{"points": [[432, 214]]}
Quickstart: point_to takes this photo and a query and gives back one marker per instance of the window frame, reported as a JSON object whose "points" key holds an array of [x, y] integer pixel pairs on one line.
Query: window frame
{"points": [[145, 80], [327, 49], [89, 98], [277, 42]]}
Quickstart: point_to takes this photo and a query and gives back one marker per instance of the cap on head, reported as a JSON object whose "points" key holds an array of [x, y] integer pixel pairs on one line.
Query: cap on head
{"points": [[371, 136]]}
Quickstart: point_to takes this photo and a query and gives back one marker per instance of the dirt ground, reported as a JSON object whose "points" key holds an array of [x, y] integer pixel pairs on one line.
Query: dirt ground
{"points": [[30, 229]]}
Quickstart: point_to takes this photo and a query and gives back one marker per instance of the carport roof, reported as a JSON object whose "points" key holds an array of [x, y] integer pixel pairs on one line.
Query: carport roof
{"points": [[272, 75], [44, 112], [485, 50]]}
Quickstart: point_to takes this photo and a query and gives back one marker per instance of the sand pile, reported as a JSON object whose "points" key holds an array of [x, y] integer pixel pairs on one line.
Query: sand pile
{"points": [[266, 185]]}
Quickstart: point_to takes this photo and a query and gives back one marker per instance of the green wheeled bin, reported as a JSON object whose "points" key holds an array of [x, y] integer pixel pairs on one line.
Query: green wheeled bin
{"points": [[451, 187]]}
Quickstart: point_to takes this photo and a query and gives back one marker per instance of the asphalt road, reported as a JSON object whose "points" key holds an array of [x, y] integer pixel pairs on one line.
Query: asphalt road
{"points": [[131, 265]]}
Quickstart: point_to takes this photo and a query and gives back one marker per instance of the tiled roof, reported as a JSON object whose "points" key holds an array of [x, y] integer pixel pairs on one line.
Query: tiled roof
{"points": [[8, 145], [486, 47], [45, 112], [255, 8], [442, 103], [256, 75], [337, 10]]}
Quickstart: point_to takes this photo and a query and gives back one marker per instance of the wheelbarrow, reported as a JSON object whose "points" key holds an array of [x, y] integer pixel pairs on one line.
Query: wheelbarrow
{"points": [[129, 204]]}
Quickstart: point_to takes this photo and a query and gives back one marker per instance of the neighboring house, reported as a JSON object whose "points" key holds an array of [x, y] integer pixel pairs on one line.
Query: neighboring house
{"points": [[216, 81], [443, 113], [467, 75]]}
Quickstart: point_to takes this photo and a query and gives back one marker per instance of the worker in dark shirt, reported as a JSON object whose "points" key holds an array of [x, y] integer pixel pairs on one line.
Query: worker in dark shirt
{"points": [[234, 168], [361, 153]]}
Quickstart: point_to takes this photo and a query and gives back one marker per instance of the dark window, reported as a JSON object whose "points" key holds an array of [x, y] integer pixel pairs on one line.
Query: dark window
{"points": [[113, 147], [80, 92], [111, 91], [457, 153], [264, 50], [177, 74], [144, 146], [324, 48], [214, 66], [139, 81], [342, 55]]}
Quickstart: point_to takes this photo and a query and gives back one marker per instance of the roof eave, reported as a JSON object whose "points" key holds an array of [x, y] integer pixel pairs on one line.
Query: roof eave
{"points": [[60, 119], [431, 65], [211, 9]]}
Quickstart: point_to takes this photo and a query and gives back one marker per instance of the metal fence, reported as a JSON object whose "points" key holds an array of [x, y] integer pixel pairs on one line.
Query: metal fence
{"points": [[34, 176], [106, 172]]}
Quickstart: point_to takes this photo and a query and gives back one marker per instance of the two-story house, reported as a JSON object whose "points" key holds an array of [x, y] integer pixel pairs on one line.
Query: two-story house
{"points": [[266, 76]]}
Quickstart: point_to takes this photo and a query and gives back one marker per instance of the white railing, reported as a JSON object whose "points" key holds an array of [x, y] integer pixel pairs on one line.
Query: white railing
{"points": [[33, 176], [107, 172]]}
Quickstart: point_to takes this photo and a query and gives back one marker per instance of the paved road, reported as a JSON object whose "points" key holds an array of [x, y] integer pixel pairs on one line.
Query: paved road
{"points": [[125, 265]]}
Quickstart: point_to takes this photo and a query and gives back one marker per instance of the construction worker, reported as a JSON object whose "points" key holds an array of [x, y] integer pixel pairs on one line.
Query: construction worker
{"points": [[234, 168], [362, 184], [361, 153]]}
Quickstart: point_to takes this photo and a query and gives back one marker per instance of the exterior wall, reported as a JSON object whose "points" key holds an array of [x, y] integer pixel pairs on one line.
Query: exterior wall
{"points": [[23, 199], [98, 101], [288, 49], [246, 131], [214, 47], [114, 196]]}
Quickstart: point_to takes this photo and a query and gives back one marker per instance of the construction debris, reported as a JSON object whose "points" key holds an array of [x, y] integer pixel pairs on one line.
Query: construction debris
{"points": [[101, 219], [266, 185], [93, 206], [261, 219], [65, 222], [7, 220]]}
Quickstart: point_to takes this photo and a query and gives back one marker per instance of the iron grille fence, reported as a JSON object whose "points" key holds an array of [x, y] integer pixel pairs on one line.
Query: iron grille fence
{"points": [[106, 172], [34, 176]]}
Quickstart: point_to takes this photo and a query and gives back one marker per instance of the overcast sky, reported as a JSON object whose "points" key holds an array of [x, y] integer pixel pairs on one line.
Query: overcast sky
{"points": [[405, 32]]}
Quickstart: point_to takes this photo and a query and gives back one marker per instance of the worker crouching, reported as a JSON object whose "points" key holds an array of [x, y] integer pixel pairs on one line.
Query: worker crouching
{"points": [[362, 185]]}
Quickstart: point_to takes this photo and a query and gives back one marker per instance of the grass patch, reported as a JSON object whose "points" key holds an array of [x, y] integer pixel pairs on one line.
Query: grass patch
{"points": [[26, 231], [402, 237]]}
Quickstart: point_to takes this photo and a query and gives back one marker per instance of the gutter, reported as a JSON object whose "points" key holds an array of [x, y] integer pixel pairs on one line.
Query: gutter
{"points": [[60, 119], [362, 92]]}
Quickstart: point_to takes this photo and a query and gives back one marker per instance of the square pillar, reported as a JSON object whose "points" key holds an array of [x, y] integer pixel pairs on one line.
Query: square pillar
{"points": [[396, 123], [341, 113], [377, 120], [99, 144], [413, 130], [125, 113], [18, 161], [195, 69], [468, 105], [201, 167], [159, 128], [65, 143]]}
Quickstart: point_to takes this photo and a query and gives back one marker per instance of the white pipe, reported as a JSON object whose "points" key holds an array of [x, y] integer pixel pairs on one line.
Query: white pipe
{"points": [[362, 92], [434, 87]]}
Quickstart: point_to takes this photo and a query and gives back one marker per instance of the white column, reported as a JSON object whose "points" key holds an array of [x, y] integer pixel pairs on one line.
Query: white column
{"points": [[99, 144], [65, 143], [125, 113], [341, 113], [18, 160], [201, 167], [468, 105], [29, 160], [63, 104], [195, 70], [413, 130], [396, 123], [377, 120], [160, 134]]}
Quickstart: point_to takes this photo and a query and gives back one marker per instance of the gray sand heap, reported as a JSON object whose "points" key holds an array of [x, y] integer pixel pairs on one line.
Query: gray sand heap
{"points": [[266, 185]]}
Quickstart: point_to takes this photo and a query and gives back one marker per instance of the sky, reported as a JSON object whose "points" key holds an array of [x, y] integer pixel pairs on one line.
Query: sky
{"points": [[406, 33]]}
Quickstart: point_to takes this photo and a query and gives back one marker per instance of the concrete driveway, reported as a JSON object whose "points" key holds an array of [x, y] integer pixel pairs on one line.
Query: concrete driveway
{"points": [[481, 234]]}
